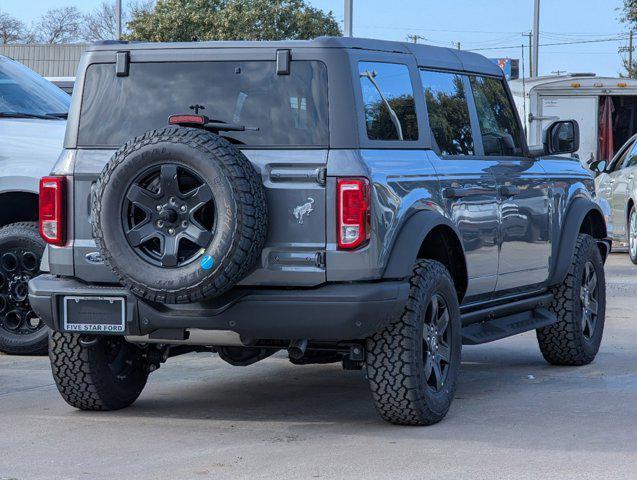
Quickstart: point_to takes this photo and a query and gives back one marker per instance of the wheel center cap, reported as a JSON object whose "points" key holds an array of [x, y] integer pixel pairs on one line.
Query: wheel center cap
{"points": [[168, 215]]}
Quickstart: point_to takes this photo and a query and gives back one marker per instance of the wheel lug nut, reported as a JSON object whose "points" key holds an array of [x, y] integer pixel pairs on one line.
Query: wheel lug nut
{"points": [[171, 231], [184, 224], [183, 208], [160, 223], [171, 199], [158, 208]]}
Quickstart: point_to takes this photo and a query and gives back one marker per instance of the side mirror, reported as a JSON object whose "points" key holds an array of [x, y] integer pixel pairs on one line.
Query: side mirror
{"points": [[561, 137], [598, 166]]}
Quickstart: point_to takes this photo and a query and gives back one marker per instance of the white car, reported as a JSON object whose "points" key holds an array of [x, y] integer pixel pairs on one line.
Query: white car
{"points": [[616, 186], [32, 124]]}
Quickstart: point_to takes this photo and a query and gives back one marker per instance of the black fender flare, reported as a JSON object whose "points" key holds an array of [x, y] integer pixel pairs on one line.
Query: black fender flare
{"points": [[562, 253], [409, 240]]}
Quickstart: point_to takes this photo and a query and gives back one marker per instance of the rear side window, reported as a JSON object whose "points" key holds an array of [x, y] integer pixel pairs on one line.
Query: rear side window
{"points": [[497, 118], [288, 110], [388, 99], [448, 112]]}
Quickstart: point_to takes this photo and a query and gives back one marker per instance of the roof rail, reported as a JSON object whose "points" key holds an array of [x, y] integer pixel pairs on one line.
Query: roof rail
{"points": [[110, 42]]}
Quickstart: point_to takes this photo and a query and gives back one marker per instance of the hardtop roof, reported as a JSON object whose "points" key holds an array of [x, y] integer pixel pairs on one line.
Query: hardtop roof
{"points": [[426, 55]]}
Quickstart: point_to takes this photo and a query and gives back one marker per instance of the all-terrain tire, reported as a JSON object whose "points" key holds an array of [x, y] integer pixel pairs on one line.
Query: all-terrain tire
{"points": [[566, 341], [396, 357], [240, 227], [90, 375], [23, 241]]}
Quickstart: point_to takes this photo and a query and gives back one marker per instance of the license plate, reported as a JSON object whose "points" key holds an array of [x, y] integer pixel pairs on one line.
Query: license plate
{"points": [[95, 314]]}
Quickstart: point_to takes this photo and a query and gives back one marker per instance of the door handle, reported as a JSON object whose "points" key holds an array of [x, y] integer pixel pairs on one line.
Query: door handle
{"points": [[509, 191], [455, 193]]}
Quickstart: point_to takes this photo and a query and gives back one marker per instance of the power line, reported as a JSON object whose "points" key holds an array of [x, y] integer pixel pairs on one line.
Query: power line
{"points": [[579, 42]]}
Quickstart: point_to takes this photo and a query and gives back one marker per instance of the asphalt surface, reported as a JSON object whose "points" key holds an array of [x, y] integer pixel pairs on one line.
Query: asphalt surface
{"points": [[514, 417]]}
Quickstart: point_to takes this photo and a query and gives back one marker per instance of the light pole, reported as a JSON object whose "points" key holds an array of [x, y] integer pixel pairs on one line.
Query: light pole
{"points": [[118, 18], [349, 11], [536, 40]]}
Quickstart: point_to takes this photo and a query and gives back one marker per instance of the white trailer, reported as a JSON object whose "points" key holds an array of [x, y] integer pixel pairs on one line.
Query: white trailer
{"points": [[581, 97]]}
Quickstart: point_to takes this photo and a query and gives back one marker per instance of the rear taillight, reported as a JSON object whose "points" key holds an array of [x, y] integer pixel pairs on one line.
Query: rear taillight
{"points": [[52, 209], [353, 214]]}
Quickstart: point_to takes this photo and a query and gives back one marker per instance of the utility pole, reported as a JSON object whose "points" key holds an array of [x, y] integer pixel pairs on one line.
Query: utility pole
{"points": [[415, 38], [630, 54], [458, 45], [118, 18], [536, 39], [530, 35], [348, 18]]}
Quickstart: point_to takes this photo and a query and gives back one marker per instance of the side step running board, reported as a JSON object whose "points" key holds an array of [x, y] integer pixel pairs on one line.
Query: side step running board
{"points": [[498, 328]]}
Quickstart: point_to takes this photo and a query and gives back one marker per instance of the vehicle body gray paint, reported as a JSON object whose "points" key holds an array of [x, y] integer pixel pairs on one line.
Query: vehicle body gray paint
{"points": [[510, 244]]}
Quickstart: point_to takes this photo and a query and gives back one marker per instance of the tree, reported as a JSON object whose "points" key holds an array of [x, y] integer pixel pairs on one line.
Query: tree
{"points": [[59, 25], [629, 16], [101, 23], [11, 29], [186, 20]]}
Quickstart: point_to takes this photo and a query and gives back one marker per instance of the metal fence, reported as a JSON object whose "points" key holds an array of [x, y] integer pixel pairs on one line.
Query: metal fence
{"points": [[47, 60]]}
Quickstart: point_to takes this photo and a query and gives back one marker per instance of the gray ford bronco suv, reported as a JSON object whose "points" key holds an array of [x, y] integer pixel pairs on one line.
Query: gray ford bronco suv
{"points": [[347, 200]]}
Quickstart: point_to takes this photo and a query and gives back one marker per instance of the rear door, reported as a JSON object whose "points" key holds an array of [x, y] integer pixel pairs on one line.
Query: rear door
{"points": [[583, 109], [467, 179]]}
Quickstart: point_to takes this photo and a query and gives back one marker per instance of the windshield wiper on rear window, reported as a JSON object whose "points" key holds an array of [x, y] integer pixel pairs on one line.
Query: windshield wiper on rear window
{"points": [[45, 116]]}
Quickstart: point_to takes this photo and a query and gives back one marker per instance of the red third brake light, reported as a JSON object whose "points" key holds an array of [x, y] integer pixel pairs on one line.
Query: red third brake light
{"points": [[353, 213], [187, 120], [52, 209]]}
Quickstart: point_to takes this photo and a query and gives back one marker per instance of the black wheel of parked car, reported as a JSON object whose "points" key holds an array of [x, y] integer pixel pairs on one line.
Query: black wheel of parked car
{"points": [[632, 235], [180, 215], [580, 306], [21, 331], [98, 373], [413, 365]]}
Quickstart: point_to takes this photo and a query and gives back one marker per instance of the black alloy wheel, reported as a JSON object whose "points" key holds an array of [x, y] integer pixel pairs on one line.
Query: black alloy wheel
{"points": [[589, 293], [169, 215], [436, 337], [21, 330]]}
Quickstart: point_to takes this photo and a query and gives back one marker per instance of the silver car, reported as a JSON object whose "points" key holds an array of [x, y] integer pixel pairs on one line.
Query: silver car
{"points": [[616, 191], [32, 124]]}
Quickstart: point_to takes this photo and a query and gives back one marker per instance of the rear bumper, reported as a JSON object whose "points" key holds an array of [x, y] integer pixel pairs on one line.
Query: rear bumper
{"points": [[334, 312]]}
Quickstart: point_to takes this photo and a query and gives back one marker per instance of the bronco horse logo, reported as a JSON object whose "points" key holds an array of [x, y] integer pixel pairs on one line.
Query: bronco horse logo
{"points": [[304, 209]]}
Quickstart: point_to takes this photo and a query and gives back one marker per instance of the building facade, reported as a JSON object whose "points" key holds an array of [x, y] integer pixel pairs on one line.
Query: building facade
{"points": [[47, 60]]}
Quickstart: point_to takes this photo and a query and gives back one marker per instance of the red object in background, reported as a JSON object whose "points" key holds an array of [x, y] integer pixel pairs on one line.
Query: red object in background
{"points": [[606, 140]]}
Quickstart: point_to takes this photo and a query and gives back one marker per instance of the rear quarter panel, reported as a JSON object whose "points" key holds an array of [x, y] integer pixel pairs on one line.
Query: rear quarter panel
{"points": [[403, 182]]}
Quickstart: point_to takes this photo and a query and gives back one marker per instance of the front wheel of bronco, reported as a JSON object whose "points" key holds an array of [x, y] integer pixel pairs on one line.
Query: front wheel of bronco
{"points": [[413, 365], [579, 304], [99, 373]]}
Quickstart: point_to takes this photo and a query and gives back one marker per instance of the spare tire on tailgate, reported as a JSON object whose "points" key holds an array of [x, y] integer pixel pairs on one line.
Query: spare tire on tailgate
{"points": [[179, 214]]}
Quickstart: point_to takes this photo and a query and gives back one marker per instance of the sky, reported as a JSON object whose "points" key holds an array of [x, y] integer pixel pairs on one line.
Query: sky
{"points": [[480, 25]]}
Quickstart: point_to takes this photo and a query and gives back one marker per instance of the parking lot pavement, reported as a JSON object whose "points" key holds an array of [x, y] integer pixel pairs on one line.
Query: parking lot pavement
{"points": [[199, 418]]}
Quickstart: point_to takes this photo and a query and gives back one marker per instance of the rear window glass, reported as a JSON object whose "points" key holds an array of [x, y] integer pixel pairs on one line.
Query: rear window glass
{"points": [[288, 110], [388, 98]]}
